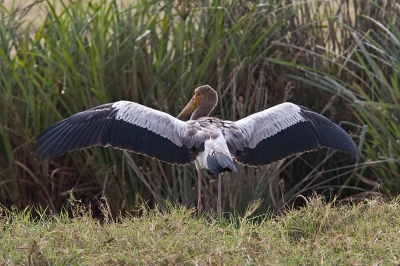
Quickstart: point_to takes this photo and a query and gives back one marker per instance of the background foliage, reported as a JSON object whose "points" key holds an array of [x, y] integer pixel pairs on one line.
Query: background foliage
{"points": [[338, 58]]}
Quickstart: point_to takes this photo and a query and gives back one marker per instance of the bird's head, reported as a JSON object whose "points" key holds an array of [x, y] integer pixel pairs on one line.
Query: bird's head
{"points": [[202, 103]]}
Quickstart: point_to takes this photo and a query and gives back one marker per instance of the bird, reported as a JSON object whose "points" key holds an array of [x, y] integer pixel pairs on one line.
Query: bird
{"points": [[212, 143]]}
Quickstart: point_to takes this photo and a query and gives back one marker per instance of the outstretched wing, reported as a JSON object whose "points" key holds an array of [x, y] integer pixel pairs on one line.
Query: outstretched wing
{"points": [[288, 129], [123, 125]]}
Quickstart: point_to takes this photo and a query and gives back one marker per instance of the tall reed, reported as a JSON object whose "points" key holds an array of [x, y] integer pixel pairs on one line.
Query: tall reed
{"points": [[156, 53]]}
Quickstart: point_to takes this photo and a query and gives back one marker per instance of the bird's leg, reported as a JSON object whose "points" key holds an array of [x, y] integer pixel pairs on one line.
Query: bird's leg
{"points": [[219, 209], [199, 192]]}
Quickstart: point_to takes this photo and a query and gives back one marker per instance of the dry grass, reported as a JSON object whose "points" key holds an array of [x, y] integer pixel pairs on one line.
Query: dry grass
{"points": [[37, 11], [362, 234]]}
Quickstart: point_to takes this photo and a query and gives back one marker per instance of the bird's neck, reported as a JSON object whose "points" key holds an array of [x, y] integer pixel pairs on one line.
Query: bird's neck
{"points": [[198, 113], [203, 110]]}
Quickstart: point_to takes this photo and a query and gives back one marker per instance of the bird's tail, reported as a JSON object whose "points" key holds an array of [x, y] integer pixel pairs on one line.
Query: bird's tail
{"points": [[219, 163]]}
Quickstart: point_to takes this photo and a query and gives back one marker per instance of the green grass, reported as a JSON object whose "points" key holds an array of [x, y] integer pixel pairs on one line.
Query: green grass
{"points": [[366, 233], [367, 76]]}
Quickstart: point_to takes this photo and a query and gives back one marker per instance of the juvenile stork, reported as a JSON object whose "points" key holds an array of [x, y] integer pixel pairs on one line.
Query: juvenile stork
{"points": [[212, 143]]}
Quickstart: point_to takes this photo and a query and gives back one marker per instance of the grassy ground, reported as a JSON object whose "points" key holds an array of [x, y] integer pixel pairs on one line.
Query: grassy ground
{"points": [[362, 234]]}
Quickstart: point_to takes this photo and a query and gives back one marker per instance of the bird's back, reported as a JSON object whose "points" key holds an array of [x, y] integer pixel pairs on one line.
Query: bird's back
{"points": [[209, 134]]}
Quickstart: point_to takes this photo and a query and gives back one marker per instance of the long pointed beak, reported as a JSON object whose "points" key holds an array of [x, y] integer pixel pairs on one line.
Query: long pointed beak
{"points": [[190, 107]]}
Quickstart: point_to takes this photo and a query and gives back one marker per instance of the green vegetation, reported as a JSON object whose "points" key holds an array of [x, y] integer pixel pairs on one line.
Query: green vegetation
{"points": [[340, 60], [366, 233]]}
